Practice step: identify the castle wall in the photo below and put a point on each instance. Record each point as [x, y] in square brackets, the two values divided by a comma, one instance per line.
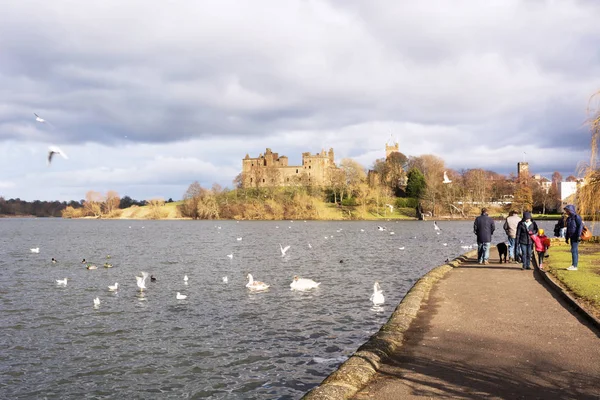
[271, 170]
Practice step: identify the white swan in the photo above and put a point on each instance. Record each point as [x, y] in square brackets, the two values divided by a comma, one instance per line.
[225, 279]
[114, 287]
[61, 282]
[283, 249]
[446, 180]
[230, 256]
[141, 281]
[239, 239]
[256, 285]
[377, 296]
[96, 302]
[185, 278]
[303, 284]
[181, 296]
[36, 250]
[310, 246]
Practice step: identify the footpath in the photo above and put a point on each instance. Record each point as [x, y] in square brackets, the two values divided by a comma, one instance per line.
[492, 331]
[483, 331]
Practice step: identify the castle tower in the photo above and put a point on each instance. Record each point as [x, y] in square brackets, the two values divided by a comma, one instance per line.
[391, 147]
[522, 172]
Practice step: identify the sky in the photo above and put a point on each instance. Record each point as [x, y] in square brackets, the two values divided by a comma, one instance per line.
[146, 97]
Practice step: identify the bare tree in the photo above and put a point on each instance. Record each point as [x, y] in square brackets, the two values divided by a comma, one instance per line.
[112, 202]
[93, 203]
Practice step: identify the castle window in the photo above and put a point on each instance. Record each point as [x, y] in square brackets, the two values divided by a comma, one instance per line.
[296, 170]
[309, 166]
[288, 179]
[263, 180]
[250, 180]
[253, 164]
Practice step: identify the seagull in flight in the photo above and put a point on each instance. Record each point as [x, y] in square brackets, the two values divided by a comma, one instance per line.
[283, 249]
[446, 180]
[39, 119]
[52, 150]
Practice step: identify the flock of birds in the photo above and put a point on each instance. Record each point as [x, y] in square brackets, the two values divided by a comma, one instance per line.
[52, 150]
[297, 284]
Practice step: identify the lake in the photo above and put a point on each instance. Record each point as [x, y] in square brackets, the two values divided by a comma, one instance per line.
[222, 342]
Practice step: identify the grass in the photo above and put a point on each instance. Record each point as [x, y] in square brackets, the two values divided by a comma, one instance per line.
[583, 283]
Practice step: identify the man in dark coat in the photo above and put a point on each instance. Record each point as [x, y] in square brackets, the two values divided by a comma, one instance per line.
[484, 229]
[574, 226]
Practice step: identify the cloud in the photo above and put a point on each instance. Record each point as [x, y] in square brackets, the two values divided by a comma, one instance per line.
[476, 83]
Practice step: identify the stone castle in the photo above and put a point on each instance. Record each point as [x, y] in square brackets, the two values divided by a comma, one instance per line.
[270, 170]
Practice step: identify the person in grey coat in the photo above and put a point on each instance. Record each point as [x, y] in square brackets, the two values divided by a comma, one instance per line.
[484, 229]
[510, 227]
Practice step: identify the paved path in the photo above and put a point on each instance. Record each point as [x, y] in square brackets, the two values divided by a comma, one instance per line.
[492, 331]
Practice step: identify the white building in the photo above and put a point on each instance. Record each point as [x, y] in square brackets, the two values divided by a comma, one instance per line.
[566, 189]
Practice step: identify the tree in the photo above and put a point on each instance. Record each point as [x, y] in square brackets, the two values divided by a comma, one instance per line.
[157, 210]
[523, 200]
[415, 185]
[353, 174]
[93, 203]
[112, 202]
[191, 200]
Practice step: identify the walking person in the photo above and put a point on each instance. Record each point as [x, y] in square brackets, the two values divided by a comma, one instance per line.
[574, 227]
[542, 243]
[525, 229]
[510, 227]
[484, 229]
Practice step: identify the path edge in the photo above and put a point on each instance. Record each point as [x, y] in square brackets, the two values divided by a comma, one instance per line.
[352, 375]
[568, 298]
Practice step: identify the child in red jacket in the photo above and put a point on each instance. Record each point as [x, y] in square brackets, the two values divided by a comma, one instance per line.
[541, 246]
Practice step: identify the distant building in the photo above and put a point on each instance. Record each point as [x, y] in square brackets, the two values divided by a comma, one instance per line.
[523, 172]
[567, 189]
[271, 170]
[544, 182]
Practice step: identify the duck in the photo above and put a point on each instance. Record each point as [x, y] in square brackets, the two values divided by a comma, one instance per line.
[83, 261]
[303, 284]
[54, 261]
[255, 285]
[107, 265]
[61, 282]
[152, 278]
[181, 296]
[91, 266]
[377, 296]
[114, 287]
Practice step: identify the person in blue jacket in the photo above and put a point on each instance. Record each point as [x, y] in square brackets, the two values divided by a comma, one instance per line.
[484, 229]
[574, 227]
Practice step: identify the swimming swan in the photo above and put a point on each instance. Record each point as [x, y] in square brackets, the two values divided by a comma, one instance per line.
[256, 285]
[377, 296]
[61, 282]
[141, 281]
[114, 287]
[36, 250]
[96, 302]
[303, 284]
[181, 296]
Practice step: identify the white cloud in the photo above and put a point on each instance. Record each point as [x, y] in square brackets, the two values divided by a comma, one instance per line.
[156, 95]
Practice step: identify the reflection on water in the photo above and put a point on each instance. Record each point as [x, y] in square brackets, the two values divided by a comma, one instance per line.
[221, 342]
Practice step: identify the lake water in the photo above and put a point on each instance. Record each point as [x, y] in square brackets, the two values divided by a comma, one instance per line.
[222, 342]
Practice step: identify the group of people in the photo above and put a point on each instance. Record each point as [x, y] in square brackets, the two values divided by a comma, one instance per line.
[524, 235]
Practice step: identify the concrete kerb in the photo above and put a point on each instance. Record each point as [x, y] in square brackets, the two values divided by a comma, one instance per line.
[355, 372]
[569, 299]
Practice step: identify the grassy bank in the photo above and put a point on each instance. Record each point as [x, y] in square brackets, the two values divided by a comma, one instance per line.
[584, 284]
